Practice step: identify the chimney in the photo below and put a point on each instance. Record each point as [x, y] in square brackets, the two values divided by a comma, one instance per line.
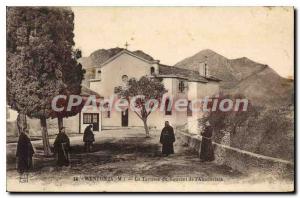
[203, 68]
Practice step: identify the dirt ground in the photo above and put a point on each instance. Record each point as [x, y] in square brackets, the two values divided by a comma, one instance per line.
[124, 154]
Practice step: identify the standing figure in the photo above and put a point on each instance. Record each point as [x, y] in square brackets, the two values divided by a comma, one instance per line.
[62, 148]
[207, 150]
[88, 138]
[167, 138]
[24, 153]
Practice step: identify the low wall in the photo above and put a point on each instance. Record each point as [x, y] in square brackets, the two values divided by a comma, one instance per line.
[34, 126]
[240, 160]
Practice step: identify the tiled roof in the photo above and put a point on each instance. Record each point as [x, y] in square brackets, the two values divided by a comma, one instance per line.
[87, 92]
[137, 54]
[190, 75]
[104, 56]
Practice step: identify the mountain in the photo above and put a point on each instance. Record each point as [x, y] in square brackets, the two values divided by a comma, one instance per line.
[258, 82]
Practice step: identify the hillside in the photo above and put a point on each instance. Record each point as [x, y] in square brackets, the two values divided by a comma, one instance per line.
[258, 82]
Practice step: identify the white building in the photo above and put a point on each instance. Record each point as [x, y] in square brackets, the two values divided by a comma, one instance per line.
[180, 83]
[73, 124]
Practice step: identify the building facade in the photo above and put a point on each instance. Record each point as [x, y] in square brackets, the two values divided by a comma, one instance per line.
[179, 83]
[73, 124]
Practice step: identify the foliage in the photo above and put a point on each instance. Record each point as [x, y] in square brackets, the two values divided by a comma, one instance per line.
[149, 88]
[261, 129]
[228, 121]
[41, 61]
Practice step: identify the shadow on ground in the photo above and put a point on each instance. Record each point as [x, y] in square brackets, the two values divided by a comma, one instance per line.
[126, 156]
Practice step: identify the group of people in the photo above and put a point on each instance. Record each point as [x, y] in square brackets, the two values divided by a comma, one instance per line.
[167, 138]
[62, 147]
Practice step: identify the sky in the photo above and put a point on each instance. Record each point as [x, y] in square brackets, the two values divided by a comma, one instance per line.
[170, 34]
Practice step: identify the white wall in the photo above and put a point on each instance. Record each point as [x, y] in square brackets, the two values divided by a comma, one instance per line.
[207, 89]
[90, 109]
[112, 72]
[11, 115]
[193, 120]
[125, 64]
[34, 126]
[200, 91]
[155, 119]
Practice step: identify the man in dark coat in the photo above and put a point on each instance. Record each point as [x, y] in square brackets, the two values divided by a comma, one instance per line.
[88, 138]
[167, 138]
[207, 150]
[62, 148]
[24, 153]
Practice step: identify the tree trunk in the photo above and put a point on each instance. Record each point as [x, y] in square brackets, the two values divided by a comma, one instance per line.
[46, 144]
[146, 128]
[21, 123]
[60, 122]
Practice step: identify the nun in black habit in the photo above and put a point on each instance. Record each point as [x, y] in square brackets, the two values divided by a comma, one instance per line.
[207, 150]
[62, 148]
[24, 153]
[167, 138]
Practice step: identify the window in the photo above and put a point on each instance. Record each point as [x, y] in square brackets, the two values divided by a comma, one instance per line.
[189, 111]
[152, 70]
[125, 78]
[90, 118]
[181, 86]
[107, 110]
[168, 110]
[98, 74]
[205, 69]
[107, 114]
[95, 118]
[87, 118]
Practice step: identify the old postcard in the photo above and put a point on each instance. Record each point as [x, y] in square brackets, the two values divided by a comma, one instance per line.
[150, 99]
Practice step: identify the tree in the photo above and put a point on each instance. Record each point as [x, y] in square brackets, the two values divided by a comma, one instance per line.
[148, 88]
[39, 47]
[72, 75]
[229, 121]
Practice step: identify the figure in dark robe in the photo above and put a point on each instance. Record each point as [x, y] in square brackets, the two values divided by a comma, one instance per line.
[207, 150]
[24, 153]
[62, 148]
[88, 138]
[167, 138]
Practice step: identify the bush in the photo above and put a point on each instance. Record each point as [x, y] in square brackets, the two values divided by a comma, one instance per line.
[260, 130]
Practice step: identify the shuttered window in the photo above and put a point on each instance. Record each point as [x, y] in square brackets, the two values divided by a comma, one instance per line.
[168, 111]
[189, 111]
[181, 86]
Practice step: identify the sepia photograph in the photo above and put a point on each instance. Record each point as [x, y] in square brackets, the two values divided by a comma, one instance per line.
[150, 99]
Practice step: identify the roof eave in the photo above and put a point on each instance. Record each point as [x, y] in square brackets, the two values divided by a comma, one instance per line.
[180, 77]
[130, 53]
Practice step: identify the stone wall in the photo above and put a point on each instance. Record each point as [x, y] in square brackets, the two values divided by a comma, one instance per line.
[240, 160]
